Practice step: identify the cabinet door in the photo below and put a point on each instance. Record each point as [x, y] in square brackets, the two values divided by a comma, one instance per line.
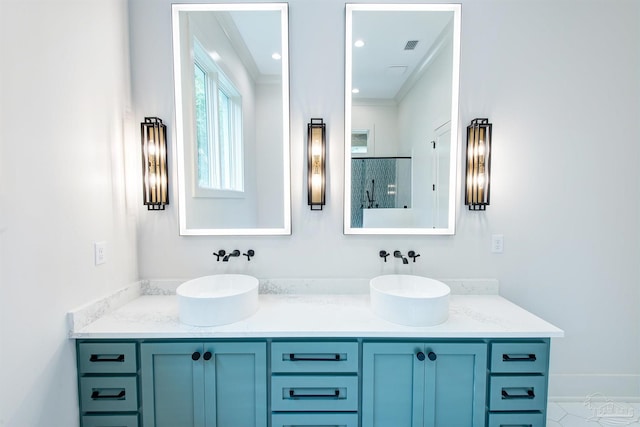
[236, 384]
[392, 385]
[172, 384]
[455, 384]
[424, 385]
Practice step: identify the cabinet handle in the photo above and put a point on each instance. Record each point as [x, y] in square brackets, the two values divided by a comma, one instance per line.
[529, 394]
[519, 358]
[195, 356]
[106, 358]
[420, 356]
[334, 395]
[207, 355]
[120, 396]
[330, 358]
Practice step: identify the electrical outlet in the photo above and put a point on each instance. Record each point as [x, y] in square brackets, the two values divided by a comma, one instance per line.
[497, 243]
[100, 252]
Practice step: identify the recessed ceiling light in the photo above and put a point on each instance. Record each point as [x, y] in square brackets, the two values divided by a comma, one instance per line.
[276, 56]
[355, 90]
[359, 43]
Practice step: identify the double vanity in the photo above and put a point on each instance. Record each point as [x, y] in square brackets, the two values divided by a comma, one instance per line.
[232, 351]
[304, 358]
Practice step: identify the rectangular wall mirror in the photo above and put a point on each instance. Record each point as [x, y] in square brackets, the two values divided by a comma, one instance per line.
[401, 118]
[231, 70]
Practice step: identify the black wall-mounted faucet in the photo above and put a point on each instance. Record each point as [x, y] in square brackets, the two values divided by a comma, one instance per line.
[384, 254]
[235, 253]
[397, 254]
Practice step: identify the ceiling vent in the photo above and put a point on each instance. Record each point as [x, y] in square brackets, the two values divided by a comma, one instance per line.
[411, 44]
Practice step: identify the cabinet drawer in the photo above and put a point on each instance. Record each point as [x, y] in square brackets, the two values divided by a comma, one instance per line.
[110, 421]
[314, 393]
[108, 394]
[107, 358]
[314, 357]
[518, 393]
[519, 357]
[516, 420]
[309, 419]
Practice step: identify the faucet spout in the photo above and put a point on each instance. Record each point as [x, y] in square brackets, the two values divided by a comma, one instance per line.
[398, 254]
[235, 253]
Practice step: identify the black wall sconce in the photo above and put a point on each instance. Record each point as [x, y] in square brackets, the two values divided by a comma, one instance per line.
[154, 163]
[478, 164]
[316, 152]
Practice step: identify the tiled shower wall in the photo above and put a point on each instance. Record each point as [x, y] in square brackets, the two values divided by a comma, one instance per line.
[383, 182]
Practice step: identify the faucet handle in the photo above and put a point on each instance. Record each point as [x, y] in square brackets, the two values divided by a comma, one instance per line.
[413, 254]
[221, 253]
[249, 254]
[384, 254]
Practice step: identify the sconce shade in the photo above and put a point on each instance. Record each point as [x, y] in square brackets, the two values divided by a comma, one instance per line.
[316, 152]
[154, 163]
[478, 164]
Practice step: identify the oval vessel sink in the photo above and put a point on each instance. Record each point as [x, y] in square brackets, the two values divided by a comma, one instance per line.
[410, 300]
[217, 300]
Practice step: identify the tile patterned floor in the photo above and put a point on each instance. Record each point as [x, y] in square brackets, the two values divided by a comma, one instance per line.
[594, 414]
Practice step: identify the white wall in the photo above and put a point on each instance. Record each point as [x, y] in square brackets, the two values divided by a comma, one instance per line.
[380, 118]
[268, 155]
[559, 81]
[64, 103]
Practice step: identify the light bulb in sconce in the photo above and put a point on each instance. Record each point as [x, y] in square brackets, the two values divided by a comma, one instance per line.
[316, 149]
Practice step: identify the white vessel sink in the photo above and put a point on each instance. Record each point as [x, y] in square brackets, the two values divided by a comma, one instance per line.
[217, 300]
[410, 300]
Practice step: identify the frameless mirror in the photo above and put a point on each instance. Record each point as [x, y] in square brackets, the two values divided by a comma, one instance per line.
[401, 118]
[231, 70]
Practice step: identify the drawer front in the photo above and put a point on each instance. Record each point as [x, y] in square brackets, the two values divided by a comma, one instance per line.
[110, 421]
[516, 420]
[108, 394]
[314, 420]
[314, 393]
[314, 357]
[519, 357]
[107, 358]
[518, 393]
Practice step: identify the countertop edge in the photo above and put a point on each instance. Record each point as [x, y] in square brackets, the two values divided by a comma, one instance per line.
[471, 317]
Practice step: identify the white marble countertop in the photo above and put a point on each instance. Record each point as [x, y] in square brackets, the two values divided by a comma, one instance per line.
[316, 315]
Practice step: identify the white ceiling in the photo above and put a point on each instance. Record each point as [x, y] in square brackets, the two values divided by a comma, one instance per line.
[381, 66]
[260, 32]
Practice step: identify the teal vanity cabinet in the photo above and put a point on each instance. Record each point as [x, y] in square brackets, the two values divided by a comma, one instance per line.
[108, 384]
[204, 384]
[424, 384]
[314, 383]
